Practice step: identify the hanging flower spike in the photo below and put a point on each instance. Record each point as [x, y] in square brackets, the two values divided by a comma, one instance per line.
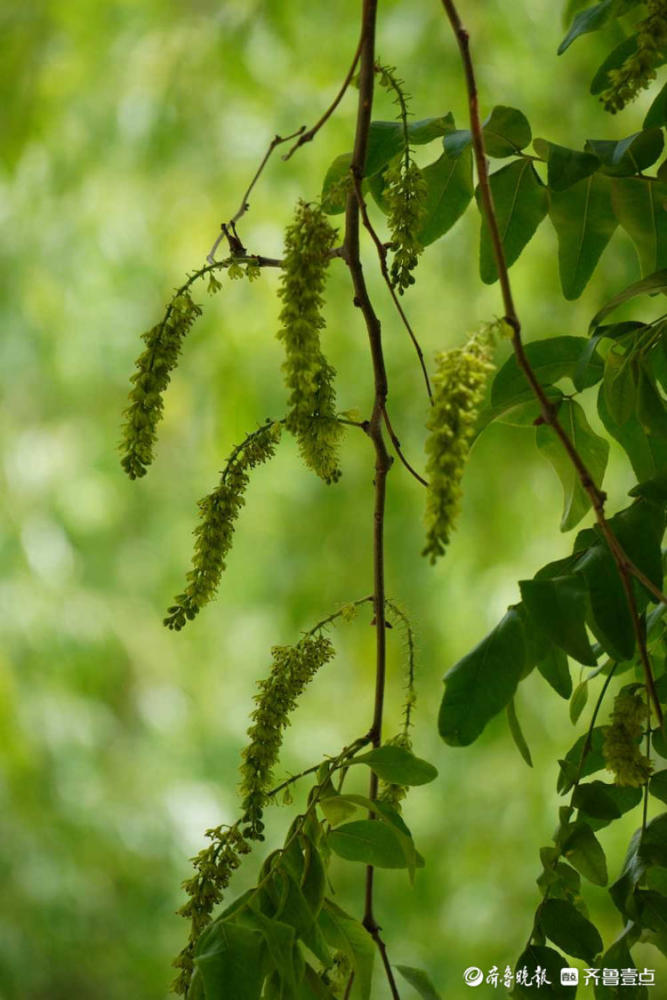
[458, 391]
[621, 739]
[308, 375]
[639, 69]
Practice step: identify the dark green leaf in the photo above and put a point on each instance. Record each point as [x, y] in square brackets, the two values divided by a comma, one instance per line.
[639, 528]
[517, 734]
[649, 285]
[419, 981]
[555, 669]
[657, 113]
[582, 849]
[639, 205]
[591, 19]
[279, 938]
[593, 450]
[335, 185]
[506, 132]
[558, 608]
[230, 962]
[619, 385]
[584, 221]
[457, 141]
[551, 360]
[578, 702]
[522, 411]
[601, 800]
[651, 411]
[565, 166]
[657, 786]
[521, 203]
[625, 157]
[313, 884]
[539, 956]
[368, 841]
[615, 59]
[610, 618]
[397, 765]
[647, 455]
[346, 934]
[568, 929]
[618, 957]
[571, 766]
[449, 189]
[482, 683]
[652, 847]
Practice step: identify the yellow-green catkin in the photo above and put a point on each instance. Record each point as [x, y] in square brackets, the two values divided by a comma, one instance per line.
[458, 390]
[639, 69]
[154, 367]
[309, 377]
[214, 867]
[292, 670]
[214, 533]
[621, 747]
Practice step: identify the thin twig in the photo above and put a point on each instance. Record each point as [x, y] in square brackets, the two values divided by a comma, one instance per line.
[245, 204]
[312, 132]
[382, 948]
[624, 564]
[382, 256]
[348, 988]
[397, 447]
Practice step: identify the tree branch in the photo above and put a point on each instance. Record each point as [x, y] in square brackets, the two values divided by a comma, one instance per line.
[624, 564]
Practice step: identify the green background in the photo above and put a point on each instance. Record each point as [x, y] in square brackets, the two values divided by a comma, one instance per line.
[129, 131]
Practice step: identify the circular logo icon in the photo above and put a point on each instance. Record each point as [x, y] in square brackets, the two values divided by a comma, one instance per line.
[473, 976]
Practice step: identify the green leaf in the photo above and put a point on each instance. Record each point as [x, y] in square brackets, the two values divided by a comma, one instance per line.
[657, 786]
[280, 939]
[230, 962]
[521, 203]
[618, 957]
[506, 132]
[647, 455]
[601, 800]
[555, 669]
[571, 765]
[482, 683]
[538, 956]
[313, 883]
[657, 113]
[619, 385]
[558, 608]
[517, 734]
[591, 19]
[551, 360]
[639, 528]
[584, 220]
[616, 58]
[449, 190]
[651, 411]
[652, 847]
[565, 166]
[419, 981]
[346, 934]
[563, 924]
[584, 852]
[593, 450]
[649, 285]
[384, 812]
[610, 619]
[578, 703]
[639, 205]
[368, 841]
[337, 809]
[335, 185]
[625, 157]
[397, 765]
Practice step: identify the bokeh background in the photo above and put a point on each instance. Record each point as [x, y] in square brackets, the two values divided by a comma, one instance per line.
[129, 131]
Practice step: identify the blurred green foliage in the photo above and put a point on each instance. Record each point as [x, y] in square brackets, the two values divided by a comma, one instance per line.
[129, 131]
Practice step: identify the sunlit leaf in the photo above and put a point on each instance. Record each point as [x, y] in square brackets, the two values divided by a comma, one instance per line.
[520, 201]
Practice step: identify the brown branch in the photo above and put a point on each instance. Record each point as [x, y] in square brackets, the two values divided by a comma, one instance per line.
[312, 132]
[382, 256]
[397, 447]
[624, 564]
[228, 229]
[382, 948]
[374, 430]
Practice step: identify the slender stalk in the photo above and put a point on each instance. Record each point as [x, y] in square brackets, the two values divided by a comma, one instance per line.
[397, 447]
[624, 564]
[375, 423]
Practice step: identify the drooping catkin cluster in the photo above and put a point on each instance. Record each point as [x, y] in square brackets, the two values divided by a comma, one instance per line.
[458, 391]
[404, 194]
[308, 375]
[214, 867]
[639, 69]
[214, 533]
[292, 670]
[154, 367]
[621, 747]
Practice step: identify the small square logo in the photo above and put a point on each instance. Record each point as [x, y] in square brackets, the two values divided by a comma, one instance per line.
[569, 977]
